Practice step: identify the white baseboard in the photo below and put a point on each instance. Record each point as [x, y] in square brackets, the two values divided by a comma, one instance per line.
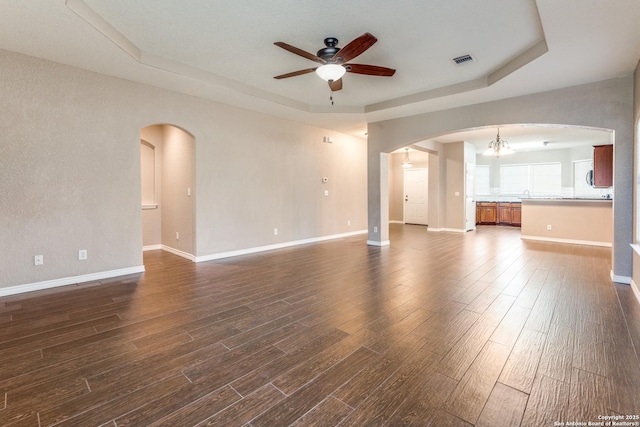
[276, 246]
[178, 252]
[620, 279]
[395, 222]
[376, 243]
[570, 241]
[454, 230]
[66, 281]
[174, 251]
[636, 291]
[450, 230]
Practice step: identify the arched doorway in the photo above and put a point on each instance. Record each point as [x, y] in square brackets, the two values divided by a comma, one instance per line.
[167, 171]
[454, 155]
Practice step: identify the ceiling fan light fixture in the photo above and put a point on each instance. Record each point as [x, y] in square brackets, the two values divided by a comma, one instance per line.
[336, 61]
[330, 72]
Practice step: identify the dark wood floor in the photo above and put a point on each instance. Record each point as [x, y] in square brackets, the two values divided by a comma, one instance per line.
[439, 329]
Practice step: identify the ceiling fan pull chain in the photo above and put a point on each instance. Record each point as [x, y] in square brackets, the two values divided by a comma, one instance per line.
[331, 96]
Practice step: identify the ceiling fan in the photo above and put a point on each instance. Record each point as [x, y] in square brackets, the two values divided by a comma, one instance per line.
[335, 60]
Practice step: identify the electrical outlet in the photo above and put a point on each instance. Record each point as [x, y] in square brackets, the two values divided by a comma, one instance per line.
[82, 254]
[375, 229]
[549, 228]
[177, 235]
[38, 260]
[275, 231]
[348, 222]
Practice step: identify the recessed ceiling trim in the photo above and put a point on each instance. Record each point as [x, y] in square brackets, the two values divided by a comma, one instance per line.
[516, 63]
[467, 86]
[85, 12]
[204, 76]
[81, 9]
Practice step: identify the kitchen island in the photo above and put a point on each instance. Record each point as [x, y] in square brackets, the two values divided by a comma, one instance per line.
[568, 220]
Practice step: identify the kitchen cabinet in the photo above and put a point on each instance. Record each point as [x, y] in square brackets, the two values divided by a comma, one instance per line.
[603, 165]
[516, 214]
[503, 213]
[510, 213]
[487, 213]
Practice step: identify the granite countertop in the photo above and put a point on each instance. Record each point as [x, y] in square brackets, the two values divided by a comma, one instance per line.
[566, 200]
[547, 199]
[497, 199]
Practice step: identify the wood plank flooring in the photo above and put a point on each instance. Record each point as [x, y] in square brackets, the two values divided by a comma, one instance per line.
[475, 329]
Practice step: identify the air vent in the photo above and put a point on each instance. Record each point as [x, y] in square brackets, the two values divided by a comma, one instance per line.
[464, 59]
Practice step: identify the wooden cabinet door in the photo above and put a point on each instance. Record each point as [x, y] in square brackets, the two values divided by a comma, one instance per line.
[488, 214]
[516, 215]
[603, 165]
[504, 213]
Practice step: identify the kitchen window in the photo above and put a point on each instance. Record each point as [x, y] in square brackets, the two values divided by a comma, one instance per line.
[539, 179]
[483, 180]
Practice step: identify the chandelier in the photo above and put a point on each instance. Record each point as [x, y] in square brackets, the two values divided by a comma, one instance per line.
[406, 163]
[498, 147]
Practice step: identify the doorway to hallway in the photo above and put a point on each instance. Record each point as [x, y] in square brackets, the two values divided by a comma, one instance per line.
[167, 172]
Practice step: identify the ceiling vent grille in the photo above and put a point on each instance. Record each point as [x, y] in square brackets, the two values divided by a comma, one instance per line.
[464, 59]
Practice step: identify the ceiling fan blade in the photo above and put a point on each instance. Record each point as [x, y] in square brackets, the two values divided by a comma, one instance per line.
[355, 48]
[335, 85]
[295, 73]
[300, 52]
[372, 70]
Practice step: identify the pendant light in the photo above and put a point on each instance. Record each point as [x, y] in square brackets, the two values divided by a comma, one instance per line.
[498, 147]
[406, 163]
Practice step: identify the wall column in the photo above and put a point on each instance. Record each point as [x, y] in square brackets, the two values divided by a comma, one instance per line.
[378, 202]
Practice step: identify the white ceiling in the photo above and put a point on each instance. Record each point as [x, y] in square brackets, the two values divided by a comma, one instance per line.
[224, 51]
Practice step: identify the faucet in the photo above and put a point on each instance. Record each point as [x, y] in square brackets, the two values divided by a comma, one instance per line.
[526, 193]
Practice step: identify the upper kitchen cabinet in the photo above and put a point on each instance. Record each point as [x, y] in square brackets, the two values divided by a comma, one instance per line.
[603, 165]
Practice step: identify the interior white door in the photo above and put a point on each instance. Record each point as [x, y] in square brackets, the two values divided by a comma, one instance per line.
[469, 191]
[416, 188]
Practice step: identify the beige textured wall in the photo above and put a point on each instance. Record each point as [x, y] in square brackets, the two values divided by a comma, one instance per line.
[570, 220]
[436, 215]
[70, 172]
[178, 189]
[454, 185]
